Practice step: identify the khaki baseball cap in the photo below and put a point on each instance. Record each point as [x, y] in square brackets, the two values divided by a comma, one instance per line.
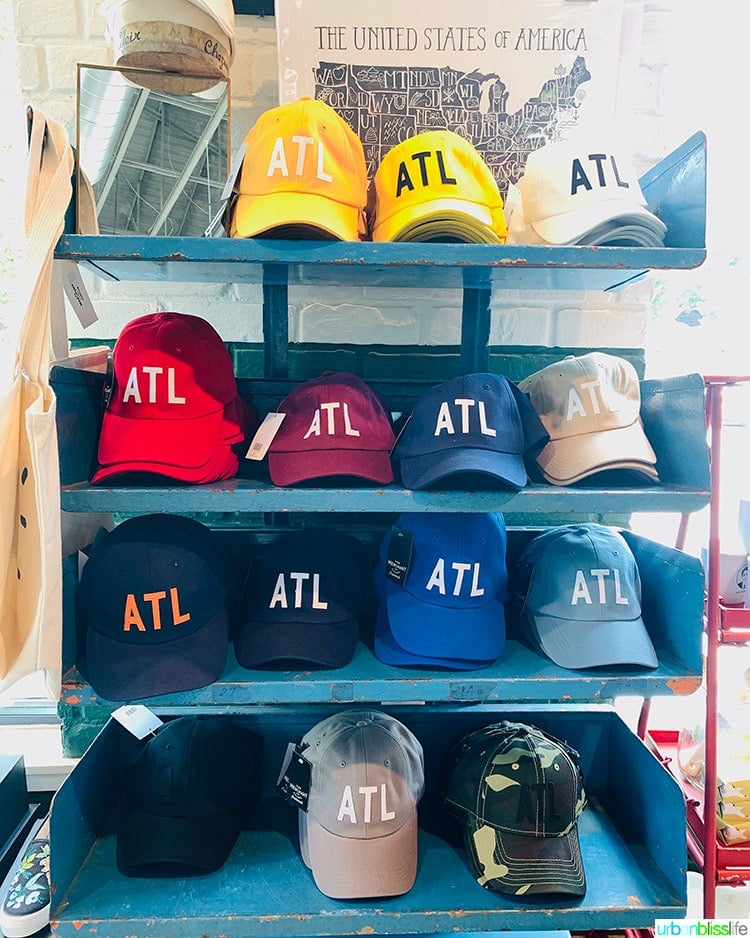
[590, 406]
[359, 834]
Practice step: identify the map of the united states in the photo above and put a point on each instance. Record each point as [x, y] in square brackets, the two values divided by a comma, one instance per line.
[387, 105]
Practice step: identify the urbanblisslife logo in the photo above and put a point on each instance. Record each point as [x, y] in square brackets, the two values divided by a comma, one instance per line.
[701, 928]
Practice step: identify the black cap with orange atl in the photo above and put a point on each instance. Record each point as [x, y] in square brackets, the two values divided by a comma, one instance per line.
[154, 604]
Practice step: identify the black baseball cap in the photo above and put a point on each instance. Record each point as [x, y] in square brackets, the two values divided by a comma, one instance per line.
[305, 596]
[154, 603]
[518, 793]
[187, 794]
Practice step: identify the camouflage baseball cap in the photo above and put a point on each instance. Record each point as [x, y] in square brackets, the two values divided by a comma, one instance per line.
[518, 793]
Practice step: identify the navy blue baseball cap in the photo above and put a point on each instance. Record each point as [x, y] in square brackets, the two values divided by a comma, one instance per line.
[187, 792]
[154, 602]
[305, 595]
[449, 611]
[579, 590]
[479, 424]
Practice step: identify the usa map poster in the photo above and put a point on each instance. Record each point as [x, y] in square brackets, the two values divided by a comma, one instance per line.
[508, 75]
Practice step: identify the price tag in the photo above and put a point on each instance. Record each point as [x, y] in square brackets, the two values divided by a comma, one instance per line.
[264, 436]
[294, 778]
[138, 720]
[398, 561]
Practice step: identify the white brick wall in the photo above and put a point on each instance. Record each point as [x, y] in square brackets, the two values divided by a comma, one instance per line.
[54, 35]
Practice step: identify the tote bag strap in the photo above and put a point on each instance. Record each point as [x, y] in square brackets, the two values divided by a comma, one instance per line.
[48, 193]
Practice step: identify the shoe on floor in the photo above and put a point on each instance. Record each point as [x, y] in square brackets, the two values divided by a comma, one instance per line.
[25, 907]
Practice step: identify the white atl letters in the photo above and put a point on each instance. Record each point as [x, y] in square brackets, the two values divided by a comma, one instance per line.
[437, 578]
[347, 808]
[280, 597]
[445, 421]
[582, 593]
[576, 406]
[150, 376]
[331, 409]
[279, 162]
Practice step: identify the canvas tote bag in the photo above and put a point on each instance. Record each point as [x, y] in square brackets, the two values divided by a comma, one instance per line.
[30, 527]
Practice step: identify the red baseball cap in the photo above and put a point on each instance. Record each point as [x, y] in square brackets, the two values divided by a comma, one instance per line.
[173, 408]
[335, 425]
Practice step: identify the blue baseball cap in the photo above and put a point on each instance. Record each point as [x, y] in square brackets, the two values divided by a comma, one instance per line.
[479, 423]
[579, 589]
[449, 611]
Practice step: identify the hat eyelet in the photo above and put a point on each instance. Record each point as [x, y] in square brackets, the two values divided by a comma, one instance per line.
[386, 761]
[516, 766]
[342, 764]
[556, 767]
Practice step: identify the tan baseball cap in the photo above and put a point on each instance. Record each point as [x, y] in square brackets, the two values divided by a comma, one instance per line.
[359, 834]
[590, 406]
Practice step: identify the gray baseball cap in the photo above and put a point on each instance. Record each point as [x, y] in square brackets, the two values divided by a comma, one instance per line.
[359, 834]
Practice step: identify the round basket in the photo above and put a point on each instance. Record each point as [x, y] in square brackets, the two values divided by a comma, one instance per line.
[185, 50]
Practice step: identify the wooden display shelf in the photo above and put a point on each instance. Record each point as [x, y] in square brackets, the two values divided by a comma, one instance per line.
[632, 843]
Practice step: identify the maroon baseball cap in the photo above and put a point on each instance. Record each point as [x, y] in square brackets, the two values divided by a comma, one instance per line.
[173, 408]
[335, 425]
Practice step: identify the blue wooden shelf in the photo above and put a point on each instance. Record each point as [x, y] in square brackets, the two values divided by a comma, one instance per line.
[632, 843]
[674, 189]
[237, 495]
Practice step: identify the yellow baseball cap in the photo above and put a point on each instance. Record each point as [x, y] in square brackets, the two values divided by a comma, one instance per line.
[303, 175]
[435, 186]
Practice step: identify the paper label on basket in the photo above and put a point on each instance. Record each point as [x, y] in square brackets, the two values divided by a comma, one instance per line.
[398, 561]
[294, 778]
[137, 719]
[264, 435]
[76, 293]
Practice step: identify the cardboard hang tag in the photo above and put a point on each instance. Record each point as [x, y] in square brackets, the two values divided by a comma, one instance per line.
[398, 561]
[295, 777]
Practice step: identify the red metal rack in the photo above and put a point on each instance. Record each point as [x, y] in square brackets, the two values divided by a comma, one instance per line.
[724, 625]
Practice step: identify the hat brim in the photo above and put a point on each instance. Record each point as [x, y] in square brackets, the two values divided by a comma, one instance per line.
[323, 644]
[573, 225]
[524, 866]
[573, 458]
[256, 215]
[287, 468]
[467, 221]
[118, 671]
[448, 632]
[585, 644]
[190, 450]
[389, 651]
[148, 844]
[419, 472]
[359, 868]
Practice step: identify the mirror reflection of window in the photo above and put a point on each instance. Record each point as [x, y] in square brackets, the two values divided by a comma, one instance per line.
[153, 163]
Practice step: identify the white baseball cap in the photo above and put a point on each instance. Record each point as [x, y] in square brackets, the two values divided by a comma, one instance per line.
[574, 190]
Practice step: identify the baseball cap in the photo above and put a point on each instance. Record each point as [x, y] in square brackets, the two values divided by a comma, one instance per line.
[590, 405]
[359, 834]
[303, 175]
[305, 595]
[436, 186]
[335, 425]
[172, 405]
[478, 424]
[187, 791]
[582, 191]
[579, 589]
[518, 793]
[154, 602]
[449, 611]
